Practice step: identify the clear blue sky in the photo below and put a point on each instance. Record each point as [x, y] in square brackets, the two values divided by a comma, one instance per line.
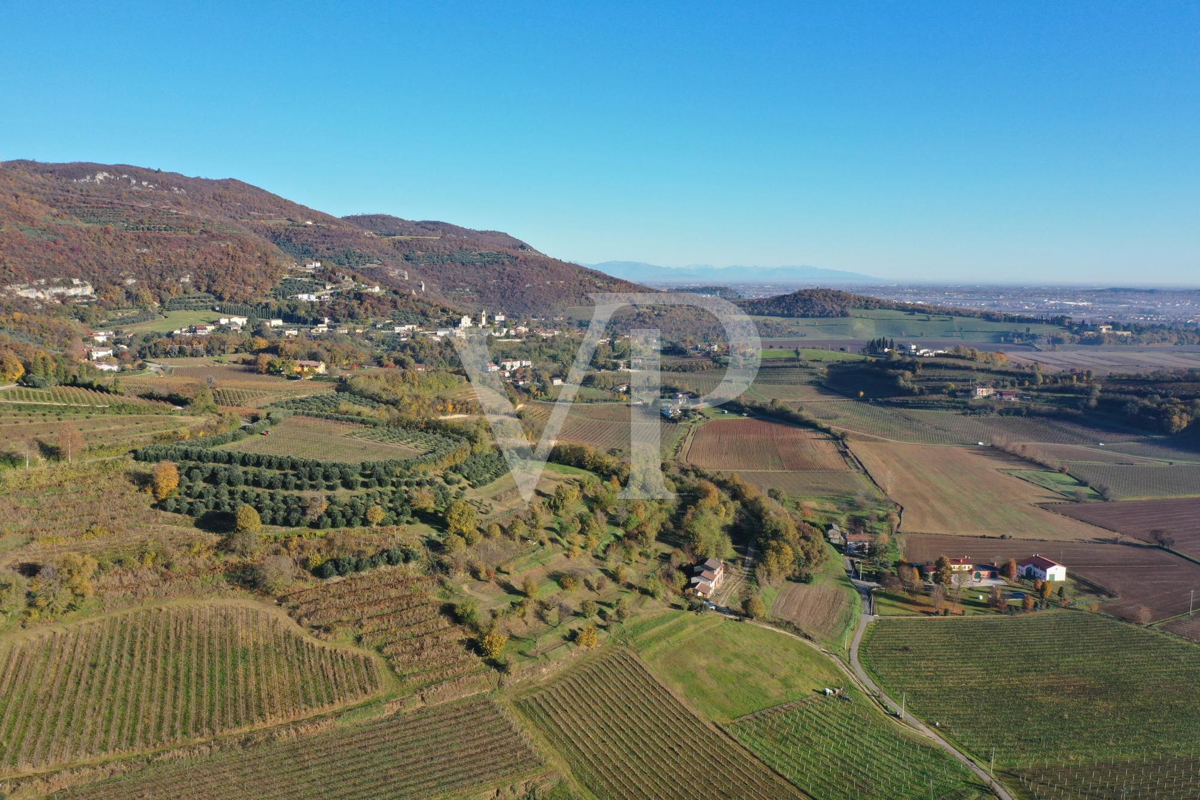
[911, 140]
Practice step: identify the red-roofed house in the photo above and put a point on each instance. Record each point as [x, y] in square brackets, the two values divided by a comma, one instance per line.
[1042, 569]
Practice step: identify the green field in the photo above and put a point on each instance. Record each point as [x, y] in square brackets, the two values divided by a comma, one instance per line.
[732, 669]
[870, 324]
[1065, 699]
[1060, 482]
[174, 320]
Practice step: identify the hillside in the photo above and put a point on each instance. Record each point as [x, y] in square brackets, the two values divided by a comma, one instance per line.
[835, 303]
[120, 226]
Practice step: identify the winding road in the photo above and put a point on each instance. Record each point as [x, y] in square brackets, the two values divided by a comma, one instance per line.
[865, 590]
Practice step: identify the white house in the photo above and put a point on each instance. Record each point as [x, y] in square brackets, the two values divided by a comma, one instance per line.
[465, 322]
[100, 337]
[274, 323]
[1042, 569]
[233, 320]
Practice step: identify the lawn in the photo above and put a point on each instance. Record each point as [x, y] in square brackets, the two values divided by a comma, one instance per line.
[174, 320]
[1059, 482]
[734, 668]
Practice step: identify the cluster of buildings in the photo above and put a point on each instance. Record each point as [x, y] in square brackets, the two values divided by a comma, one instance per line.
[970, 572]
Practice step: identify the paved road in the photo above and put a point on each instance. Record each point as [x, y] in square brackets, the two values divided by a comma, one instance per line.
[865, 680]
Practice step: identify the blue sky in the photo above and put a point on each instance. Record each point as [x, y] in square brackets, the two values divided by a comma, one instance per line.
[917, 140]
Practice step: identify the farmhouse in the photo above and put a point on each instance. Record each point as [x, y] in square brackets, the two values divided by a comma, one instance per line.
[966, 570]
[980, 392]
[858, 543]
[305, 367]
[1040, 568]
[99, 352]
[707, 577]
[834, 534]
[1010, 396]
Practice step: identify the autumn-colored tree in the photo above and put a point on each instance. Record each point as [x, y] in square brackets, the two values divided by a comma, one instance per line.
[461, 517]
[1046, 590]
[275, 574]
[423, 500]
[938, 597]
[754, 607]
[517, 529]
[565, 496]
[455, 544]
[247, 520]
[70, 442]
[494, 531]
[1009, 570]
[314, 506]
[1028, 604]
[569, 583]
[11, 368]
[530, 587]
[493, 644]
[588, 636]
[165, 479]
[375, 515]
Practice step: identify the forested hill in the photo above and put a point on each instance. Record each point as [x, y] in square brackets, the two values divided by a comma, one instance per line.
[125, 226]
[835, 303]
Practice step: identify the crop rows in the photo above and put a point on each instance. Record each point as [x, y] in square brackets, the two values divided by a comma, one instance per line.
[1046, 691]
[1175, 779]
[239, 397]
[624, 735]
[1129, 482]
[762, 445]
[436, 751]
[392, 611]
[71, 396]
[841, 747]
[323, 440]
[163, 676]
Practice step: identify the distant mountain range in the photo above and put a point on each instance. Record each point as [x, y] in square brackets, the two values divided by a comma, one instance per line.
[124, 229]
[724, 276]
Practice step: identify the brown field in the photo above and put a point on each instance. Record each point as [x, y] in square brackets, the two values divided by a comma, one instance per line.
[960, 490]
[1180, 519]
[102, 433]
[735, 444]
[1072, 453]
[327, 440]
[809, 484]
[1139, 575]
[1110, 360]
[1187, 627]
[821, 610]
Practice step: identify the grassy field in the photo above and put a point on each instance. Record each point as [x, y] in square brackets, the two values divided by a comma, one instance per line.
[869, 324]
[810, 484]
[1060, 483]
[1053, 694]
[731, 669]
[468, 746]
[324, 440]
[162, 676]
[623, 734]
[759, 444]
[958, 490]
[1142, 482]
[174, 320]
[844, 747]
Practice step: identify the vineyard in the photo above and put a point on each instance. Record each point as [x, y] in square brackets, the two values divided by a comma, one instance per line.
[842, 747]
[1135, 482]
[101, 433]
[327, 440]
[436, 751]
[76, 396]
[87, 508]
[624, 735]
[604, 426]
[1072, 703]
[158, 677]
[1146, 579]
[394, 612]
[735, 444]
[963, 490]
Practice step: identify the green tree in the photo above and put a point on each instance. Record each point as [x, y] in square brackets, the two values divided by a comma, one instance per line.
[943, 573]
[247, 520]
